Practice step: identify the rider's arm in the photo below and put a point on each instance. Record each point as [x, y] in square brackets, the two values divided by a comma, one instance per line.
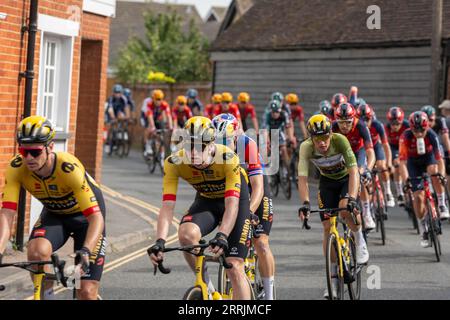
[353, 182]
[385, 143]
[351, 164]
[151, 121]
[6, 225]
[403, 157]
[444, 134]
[303, 170]
[301, 122]
[170, 186]
[370, 153]
[257, 183]
[232, 194]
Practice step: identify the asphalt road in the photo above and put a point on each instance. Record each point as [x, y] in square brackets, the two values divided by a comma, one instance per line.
[399, 270]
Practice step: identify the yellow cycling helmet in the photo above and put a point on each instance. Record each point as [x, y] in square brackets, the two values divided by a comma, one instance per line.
[319, 125]
[227, 97]
[181, 100]
[199, 129]
[157, 94]
[217, 98]
[292, 98]
[35, 129]
[244, 97]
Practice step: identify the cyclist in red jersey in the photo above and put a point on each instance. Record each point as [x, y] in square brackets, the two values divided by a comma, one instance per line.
[181, 112]
[216, 100]
[246, 109]
[358, 135]
[336, 101]
[420, 153]
[381, 147]
[229, 107]
[297, 113]
[394, 129]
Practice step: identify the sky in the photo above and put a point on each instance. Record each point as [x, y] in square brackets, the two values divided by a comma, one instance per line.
[203, 6]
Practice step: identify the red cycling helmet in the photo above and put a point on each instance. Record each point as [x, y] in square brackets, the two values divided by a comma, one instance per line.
[418, 121]
[338, 99]
[395, 114]
[365, 112]
[345, 111]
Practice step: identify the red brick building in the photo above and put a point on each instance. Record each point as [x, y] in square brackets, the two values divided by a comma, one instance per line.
[71, 59]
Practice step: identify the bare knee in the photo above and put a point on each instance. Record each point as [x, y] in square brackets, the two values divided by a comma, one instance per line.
[88, 291]
[39, 249]
[262, 246]
[237, 272]
[189, 234]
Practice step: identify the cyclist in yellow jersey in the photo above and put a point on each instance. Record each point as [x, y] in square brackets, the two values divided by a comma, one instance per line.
[222, 200]
[73, 204]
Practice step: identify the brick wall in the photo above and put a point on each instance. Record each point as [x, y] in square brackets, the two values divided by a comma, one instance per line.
[13, 48]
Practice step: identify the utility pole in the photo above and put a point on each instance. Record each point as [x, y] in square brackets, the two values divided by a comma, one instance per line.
[436, 52]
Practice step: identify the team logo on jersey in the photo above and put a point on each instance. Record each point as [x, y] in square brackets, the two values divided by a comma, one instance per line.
[37, 186]
[39, 233]
[53, 187]
[67, 167]
[16, 162]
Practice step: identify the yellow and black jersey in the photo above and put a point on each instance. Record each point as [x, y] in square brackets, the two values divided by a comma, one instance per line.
[67, 190]
[221, 179]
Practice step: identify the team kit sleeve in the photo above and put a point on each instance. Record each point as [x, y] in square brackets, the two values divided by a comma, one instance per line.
[11, 190]
[381, 132]
[403, 147]
[253, 160]
[304, 158]
[170, 180]
[232, 177]
[434, 140]
[365, 134]
[252, 111]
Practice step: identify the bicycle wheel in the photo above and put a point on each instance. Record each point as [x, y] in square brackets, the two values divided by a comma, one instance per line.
[120, 151]
[332, 250]
[111, 142]
[380, 212]
[432, 232]
[273, 181]
[126, 142]
[224, 283]
[354, 288]
[193, 293]
[285, 182]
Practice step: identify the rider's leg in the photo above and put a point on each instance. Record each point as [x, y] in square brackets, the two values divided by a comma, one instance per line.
[189, 234]
[40, 249]
[239, 281]
[266, 264]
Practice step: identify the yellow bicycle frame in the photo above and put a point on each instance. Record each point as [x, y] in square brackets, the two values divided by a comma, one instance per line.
[340, 241]
[38, 282]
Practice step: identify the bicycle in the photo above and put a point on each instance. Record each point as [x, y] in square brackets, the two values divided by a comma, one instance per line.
[118, 138]
[200, 289]
[293, 164]
[156, 157]
[39, 275]
[343, 249]
[251, 271]
[432, 222]
[378, 203]
[281, 178]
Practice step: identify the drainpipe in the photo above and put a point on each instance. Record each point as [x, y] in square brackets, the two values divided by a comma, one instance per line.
[29, 77]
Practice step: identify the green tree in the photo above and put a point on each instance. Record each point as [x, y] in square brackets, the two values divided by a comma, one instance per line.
[165, 48]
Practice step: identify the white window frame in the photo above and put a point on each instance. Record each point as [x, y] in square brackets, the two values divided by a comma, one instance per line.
[46, 68]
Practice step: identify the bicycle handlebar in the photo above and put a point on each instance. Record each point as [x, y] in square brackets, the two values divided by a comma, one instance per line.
[188, 249]
[330, 213]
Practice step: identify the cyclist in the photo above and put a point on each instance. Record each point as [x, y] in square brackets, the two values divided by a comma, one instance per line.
[118, 107]
[439, 125]
[339, 182]
[445, 112]
[420, 153]
[297, 113]
[381, 147]
[277, 119]
[353, 96]
[128, 94]
[246, 109]
[159, 117]
[193, 102]
[181, 112]
[358, 135]
[394, 129]
[228, 133]
[72, 200]
[278, 96]
[211, 109]
[336, 101]
[222, 200]
[228, 107]
[326, 109]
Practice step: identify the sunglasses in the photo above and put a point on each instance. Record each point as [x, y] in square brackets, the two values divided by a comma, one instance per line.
[34, 152]
[321, 138]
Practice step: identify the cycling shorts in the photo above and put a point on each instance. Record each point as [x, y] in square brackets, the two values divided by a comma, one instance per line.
[331, 192]
[207, 214]
[265, 211]
[379, 152]
[394, 151]
[417, 167]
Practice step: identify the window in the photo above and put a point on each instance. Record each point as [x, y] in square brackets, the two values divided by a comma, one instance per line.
[49, 96]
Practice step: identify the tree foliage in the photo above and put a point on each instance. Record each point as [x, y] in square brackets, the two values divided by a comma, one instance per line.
[166, 49]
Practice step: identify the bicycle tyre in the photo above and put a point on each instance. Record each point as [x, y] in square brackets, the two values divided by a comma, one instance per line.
[354, 288]
[193, 293]
[273, 182]
[127, 142]
[285, 182]
[120, 151]
[111, 142]
[380, 217]
[432, 233]
[332, 246]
